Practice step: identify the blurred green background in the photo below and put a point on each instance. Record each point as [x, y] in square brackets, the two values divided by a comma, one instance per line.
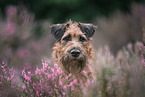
[62, 10]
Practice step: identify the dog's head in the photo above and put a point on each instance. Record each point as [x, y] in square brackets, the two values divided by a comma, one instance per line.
[73, 44]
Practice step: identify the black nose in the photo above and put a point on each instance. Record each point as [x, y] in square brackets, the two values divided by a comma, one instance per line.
[75, 52]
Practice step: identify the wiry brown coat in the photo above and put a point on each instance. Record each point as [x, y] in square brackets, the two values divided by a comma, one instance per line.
[71, 36]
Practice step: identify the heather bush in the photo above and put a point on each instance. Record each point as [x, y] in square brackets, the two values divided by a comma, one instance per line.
[120, 76]
[6, 76]
[45, 82]
[119, 29]
[23, 41]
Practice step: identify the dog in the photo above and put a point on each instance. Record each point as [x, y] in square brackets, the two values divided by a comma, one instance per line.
[73, 51]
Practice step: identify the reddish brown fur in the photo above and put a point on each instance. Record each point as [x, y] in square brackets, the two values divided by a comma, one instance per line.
[61, 49]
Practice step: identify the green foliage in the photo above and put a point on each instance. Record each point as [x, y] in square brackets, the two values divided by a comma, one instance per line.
[78, 10]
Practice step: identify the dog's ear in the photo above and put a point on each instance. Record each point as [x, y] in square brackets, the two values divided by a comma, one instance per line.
[58, 30]
[88, 29]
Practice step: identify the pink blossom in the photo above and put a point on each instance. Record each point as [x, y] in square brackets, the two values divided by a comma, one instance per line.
[55, 74]
[27, 77]
[86, 85]
[37, 71]
[8, 78]
[58, 71]
[70, 75]
[129, 46]
[2, 67]
[4, 71]
[37, 93]
[109, 88]
[29, 72]
[64, 87]
[34, 88]
[90, 67]
[27, 83]
[69, 80]
[72, 88]
[63, 94]
[84, 72]
[49, 76]
[75, 81]
[71, 84]
[34, 84]
[1, 83]
[66, 77]
[31, 90]
[11, 11]
[26, 91]
[9, 29]
[81, 82]
[92, 81]
[55, 65]
[60, 83]
[23, 87]
[132, 52]
[50, 92]
[52, 70]
[3, 62]
[13, 87]
[23, 71]
[44, 65]
[1, 77]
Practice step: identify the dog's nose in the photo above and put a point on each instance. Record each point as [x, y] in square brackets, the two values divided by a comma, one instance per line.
[75, 52]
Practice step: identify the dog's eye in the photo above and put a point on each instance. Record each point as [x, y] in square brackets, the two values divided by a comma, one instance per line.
[82, 39]
[67, 38]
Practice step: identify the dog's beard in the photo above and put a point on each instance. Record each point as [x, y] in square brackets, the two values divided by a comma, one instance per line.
[72, 65]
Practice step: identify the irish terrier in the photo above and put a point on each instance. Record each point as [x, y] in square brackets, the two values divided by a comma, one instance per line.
[73, 51]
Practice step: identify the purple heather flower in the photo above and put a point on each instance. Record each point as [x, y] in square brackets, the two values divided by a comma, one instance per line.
[8, 79]
[37, 71]
[64, 87]
[84, 72]
[29, 72]
[52, 69]
[37, 93]
[55, 65]
[63, 94]
[86, 85]
[2, 67]
[72, 88]
[75, 80]
[66, 77]
[23, 87]
[60, 83]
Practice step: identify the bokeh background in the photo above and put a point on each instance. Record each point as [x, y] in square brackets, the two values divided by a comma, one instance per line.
[25, 37]
[59, 11]
[26, 40]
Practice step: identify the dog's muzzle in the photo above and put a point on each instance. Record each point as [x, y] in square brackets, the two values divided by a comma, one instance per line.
[74, 61]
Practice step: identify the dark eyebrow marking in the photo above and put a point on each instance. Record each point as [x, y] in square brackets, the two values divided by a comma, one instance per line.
[82, 39]
[67, 38]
